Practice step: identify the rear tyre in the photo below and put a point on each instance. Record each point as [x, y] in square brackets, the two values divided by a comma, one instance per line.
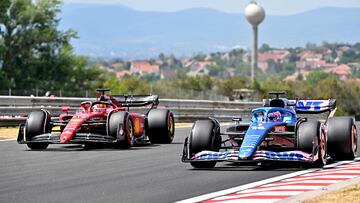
[161, 126]
[120, 126]
[37, 123]
[342, 138]
[205, 135]
[312, 140]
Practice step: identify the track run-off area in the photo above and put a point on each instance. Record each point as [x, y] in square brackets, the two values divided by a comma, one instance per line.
[150, 173]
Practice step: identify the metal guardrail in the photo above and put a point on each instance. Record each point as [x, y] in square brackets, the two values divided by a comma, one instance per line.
[13, 108]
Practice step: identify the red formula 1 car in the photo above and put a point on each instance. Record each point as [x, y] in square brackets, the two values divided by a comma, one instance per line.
[106, 120]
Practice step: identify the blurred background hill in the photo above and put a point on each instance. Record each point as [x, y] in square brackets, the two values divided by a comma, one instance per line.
[119, 31]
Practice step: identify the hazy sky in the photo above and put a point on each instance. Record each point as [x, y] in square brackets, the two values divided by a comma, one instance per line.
[273, 7]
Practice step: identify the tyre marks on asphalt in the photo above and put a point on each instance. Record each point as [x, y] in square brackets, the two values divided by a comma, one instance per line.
[283, 189]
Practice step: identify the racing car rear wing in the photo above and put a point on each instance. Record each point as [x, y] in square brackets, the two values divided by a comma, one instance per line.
[313, 106]
[137, 100]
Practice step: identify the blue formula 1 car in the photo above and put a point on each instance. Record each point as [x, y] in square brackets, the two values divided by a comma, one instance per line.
[276, 132]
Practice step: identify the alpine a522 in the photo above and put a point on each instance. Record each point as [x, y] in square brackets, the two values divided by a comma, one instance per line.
[277, 132]
[103, 121]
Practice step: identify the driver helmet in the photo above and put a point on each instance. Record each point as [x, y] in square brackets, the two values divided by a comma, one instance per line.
[99, 108]
[260, 116]
[275, 116]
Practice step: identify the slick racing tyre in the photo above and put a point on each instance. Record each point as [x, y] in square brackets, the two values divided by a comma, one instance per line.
[342, 138]
[312, 140]
[120, 126]
[205, 135]
[161, 126]
[37, 123]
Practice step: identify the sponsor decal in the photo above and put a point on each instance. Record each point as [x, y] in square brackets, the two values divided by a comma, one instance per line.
[284, 155]
[210, 155]
[83, 116]
[253, 136]
[308, 105]
[97, 118]
[258, 128]
[280, 128]
[76, 120]
[66, 132]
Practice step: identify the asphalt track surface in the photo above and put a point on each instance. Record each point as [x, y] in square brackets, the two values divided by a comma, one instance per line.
[153, 173]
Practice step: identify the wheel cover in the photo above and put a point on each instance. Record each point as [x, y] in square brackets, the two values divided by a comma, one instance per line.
[354, 139]
[171, 126]
[322, 145]
[131, 133]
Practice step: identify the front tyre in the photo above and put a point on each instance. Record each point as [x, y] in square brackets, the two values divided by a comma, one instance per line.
[160, 126]
[37, 123]
[120, 126]
[205, 135]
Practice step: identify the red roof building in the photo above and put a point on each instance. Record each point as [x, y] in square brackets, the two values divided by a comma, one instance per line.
[123, 73]
[199, 68]
[275, 55]
[310, 64]
[167, 74]
[342, 70]
[278, 56]
[143, 67]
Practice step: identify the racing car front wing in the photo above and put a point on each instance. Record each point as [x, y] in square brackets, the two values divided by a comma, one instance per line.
[259, 156]
[54, 138]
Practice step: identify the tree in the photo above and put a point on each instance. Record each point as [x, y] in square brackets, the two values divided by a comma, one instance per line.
[264, 48]
[33, 53]
[200, 57]
[331, 46]
[310, 46]
[316, 76]
[127, 85]
[274, 66]
[350, 57]
[162, 56]
[289, 68]
[237, 53]
[227, 86]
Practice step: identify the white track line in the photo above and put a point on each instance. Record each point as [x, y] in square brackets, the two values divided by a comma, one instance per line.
[6, 140]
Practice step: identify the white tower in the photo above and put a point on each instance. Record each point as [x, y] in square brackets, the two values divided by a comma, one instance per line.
[255, 14]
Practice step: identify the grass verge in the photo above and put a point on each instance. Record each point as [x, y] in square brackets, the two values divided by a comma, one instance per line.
[8, 132]
[346, 195]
